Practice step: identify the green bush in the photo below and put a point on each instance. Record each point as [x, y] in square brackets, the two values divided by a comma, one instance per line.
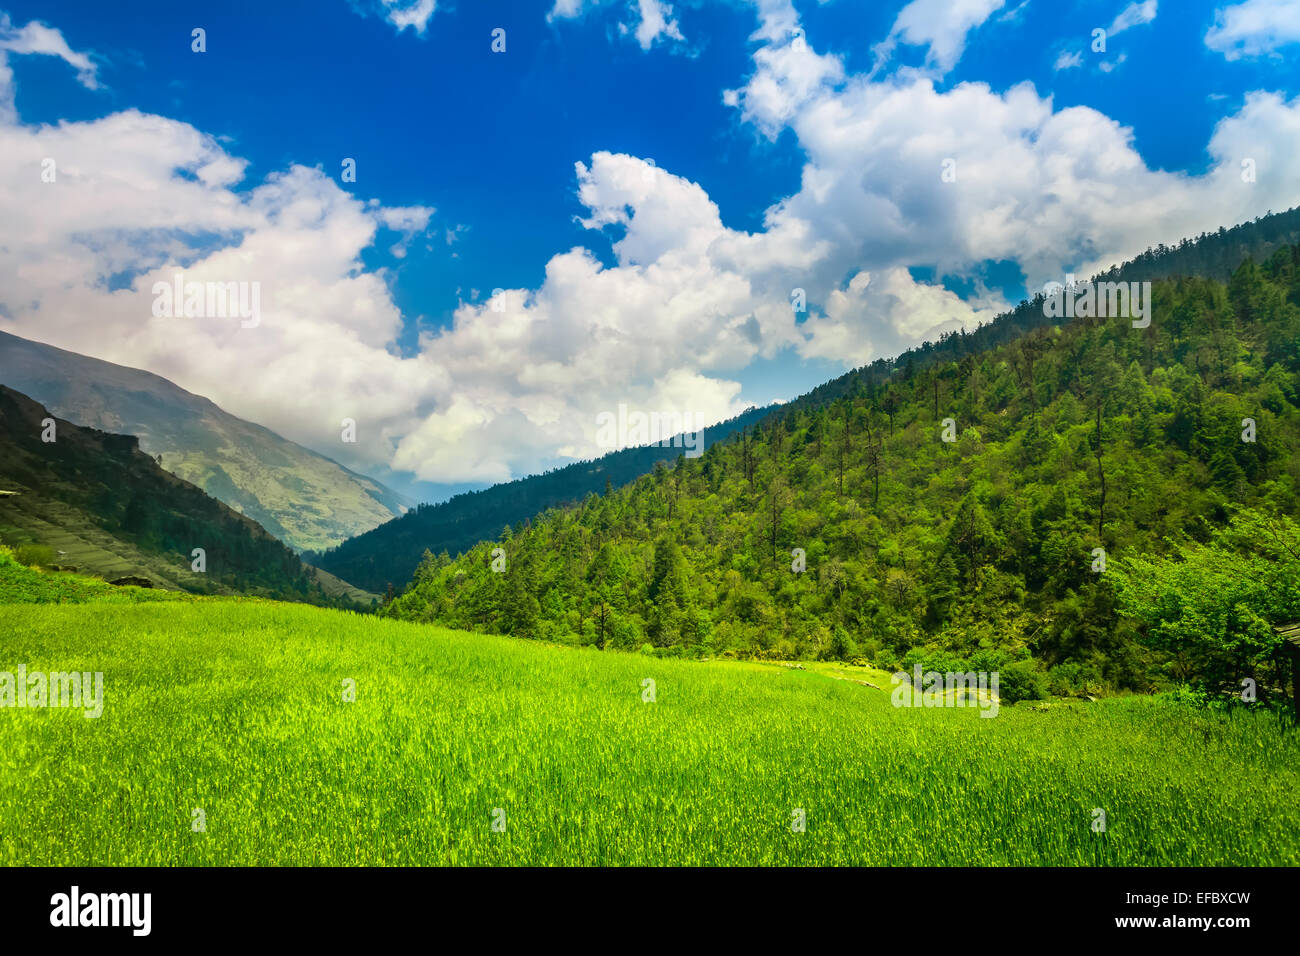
[934, 659]
[35, 555]
[886, 660]
[1064, 680]
[1187, 695]
[1022, 680]
[988, 661]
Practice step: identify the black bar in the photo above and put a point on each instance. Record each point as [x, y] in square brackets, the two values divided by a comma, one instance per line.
[925, 904]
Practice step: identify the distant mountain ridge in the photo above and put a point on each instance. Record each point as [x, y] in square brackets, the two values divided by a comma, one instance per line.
[308, 501]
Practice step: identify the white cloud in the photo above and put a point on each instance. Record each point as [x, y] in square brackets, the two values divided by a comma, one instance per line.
[1015, 14]
[1068, 60]
[656, 21]
[1049, 189]
[1254, 28]
[686, 304]
[940, 25]
[415, 14]
[1134, 15]
[886, 314]
[494, 395]
[571, 9]
[37, 38]
[650, 21]
[410, 13]
[789, 76]
[777, 20]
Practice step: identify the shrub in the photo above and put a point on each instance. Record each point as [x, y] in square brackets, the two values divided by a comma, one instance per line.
[35, 555]
[1064, 680]
[840, 647]
[988, 660]
[1187, 695]
[1023, 680]
[886, 660]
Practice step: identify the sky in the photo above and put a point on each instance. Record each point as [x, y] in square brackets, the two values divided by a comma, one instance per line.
[561, 206]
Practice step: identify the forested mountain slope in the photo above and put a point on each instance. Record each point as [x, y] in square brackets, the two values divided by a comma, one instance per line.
[1209, 256]
[1070, 438]
[388, 555]
[112, 510]
[303, 498]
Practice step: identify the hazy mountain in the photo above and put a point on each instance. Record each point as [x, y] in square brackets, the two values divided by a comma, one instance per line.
[104, 507]
[306, 500]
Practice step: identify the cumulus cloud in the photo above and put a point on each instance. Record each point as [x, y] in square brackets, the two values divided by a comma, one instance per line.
[1048, 189]
[1254, 28]
[886, 314]
[899, 175]
[655, 21]
[789, 75]
[139, 198]
[941, 26]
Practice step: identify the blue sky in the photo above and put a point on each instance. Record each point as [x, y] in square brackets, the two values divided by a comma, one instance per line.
[478, 150]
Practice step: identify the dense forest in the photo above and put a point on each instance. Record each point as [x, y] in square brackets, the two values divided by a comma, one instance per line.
[386, 556]
[1212, 255]
[93, 478]
[987, 509]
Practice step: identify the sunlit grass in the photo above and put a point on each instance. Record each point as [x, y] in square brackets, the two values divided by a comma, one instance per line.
[236, 707]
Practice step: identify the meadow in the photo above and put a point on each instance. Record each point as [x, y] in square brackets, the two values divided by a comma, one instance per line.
[236, 708]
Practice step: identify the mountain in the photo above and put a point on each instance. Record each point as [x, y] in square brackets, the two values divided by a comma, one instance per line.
[101, 505]
[388, 555]
[950, 514]
[305, 499]
[1211, 255]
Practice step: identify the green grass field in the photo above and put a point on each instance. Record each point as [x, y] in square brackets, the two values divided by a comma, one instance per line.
[236, 707]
